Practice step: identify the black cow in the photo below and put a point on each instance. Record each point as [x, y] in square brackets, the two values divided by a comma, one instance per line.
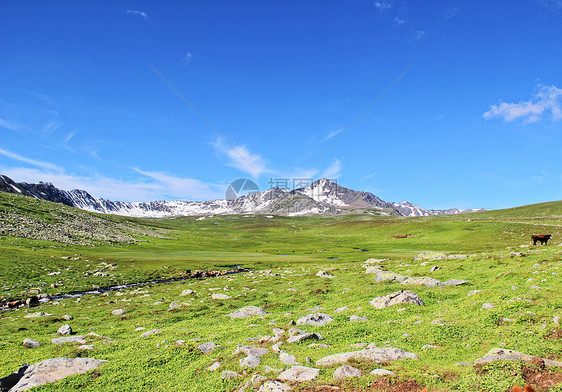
[542, 238]
[6, 383]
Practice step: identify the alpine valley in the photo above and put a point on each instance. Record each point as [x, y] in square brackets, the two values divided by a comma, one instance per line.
[320, 197]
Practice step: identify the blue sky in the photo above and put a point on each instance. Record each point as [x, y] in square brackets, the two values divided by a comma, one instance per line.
[145, 100]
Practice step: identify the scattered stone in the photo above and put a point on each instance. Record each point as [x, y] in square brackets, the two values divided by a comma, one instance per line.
[319, 345]
[375, 354]
[463, 364]
[247, 311]
[206, 348]
[381, 276]
[118, 312]
[430, 255]
[455, 282]
[151, 332]
[346, 371]
[64, 330]
[382, 372]
[357, 318]
[488, 305]
[339, 310]
[220, 296]
[397, 297]
[86, 347]
[299, 374]
[315, 319]
[215, 366]
[54, 369]
[269, 369]
[324, 274]
[429, 346]
[274, 386]
[304, 336]
[30, 343]
[229, 374]
[250, 361]
[67, 317]
[423, 280]
[556, 320]
[69, 339]
[288, 359]
[249, 350]
[37, 314]
[374, 261]
[497, 354]
[186, 292]
[175, 305]
[473, 292]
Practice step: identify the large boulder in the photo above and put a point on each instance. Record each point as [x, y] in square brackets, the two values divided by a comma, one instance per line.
[54, 369]
[346, 371]
[299, 374]
[397, 297]
[374, 354]
[423, 280]
[381, 276]
[247, 311]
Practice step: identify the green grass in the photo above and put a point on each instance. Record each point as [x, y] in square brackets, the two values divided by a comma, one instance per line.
[295, 248]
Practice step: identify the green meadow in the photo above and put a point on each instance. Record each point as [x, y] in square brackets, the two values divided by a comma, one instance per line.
[448, 333]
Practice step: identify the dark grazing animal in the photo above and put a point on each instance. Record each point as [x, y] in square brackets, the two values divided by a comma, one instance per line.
[542, 238]
[6, 383]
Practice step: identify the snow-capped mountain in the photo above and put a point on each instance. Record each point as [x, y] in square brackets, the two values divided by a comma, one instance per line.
[321, 197]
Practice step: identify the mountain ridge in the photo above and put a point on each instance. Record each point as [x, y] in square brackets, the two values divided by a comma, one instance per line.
[320, 197]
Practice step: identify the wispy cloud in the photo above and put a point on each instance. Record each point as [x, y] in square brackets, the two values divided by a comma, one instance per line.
[12, 126]
[419, 34]
[139, 13]
[187, 58]
[450, 12]
[241, 158]
[20, 158]
[333, 171]
[383, 5]
[399, 21]
[51, 127]
[331, 134]
[548, 99]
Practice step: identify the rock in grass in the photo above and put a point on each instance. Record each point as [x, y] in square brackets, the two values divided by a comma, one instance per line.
[315, 319]
[304, 336]
[374, 354]
[54, 369]
[30, 343]
[151, 332]
[250, 361]
[186, 292]
[220, 296]
[118, 312]
[423, 280]
[69, 339]
[249, 350]
[324, 274]
[299, 374]
[229, 374]
[455, 282]
[67, 317]
[355, 318]
[382, 372]
[346, 371]
[288, 359]
[247, 311]
[397, 297]
[488, 305]
[274, 386]
[381, 276]
[215, 366]
[65, 330]
[497, 354]
[206, 348]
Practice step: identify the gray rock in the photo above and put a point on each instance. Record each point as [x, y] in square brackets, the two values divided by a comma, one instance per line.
[299, 374]
[381, 276]
[64, 330]
[67, 317]
[346, 371]
[86, 347]
[288, 359]
[382, 372]
[250, 361]
[473, 292]
[215, 366]
[324, 274]
[397, 297]
[497, 354]
[175, 305]
[206, 348]
[423, 280]
[54, 369]
[229, 374]
[69, 339]
[488, 305]
[30, 343]
[186, 292]
[355, 318]
[247, 311]
[151, 332]
[315, 319]
[430, 255]
[274, 386]
[374, 354]
[339, 310]
[455, 282]
[305, 336]
[249, 350]
[220, 296]
[118, 312]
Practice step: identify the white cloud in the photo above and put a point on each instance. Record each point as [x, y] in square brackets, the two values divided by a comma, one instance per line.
[383, 5]
[187, 58]
[139, 13]
[450, 12]
[333, 171]
[241, 158]
[331, 134]
[12, 126]
[20, 158]
[419, 34]
[398, 21]
[548, 99]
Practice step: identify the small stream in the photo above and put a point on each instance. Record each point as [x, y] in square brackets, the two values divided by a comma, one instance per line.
[101, 290]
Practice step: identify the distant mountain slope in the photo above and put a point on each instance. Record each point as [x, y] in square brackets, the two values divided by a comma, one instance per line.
[320, 197]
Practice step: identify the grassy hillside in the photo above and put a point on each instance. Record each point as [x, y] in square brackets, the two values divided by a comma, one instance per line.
[286, 253]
